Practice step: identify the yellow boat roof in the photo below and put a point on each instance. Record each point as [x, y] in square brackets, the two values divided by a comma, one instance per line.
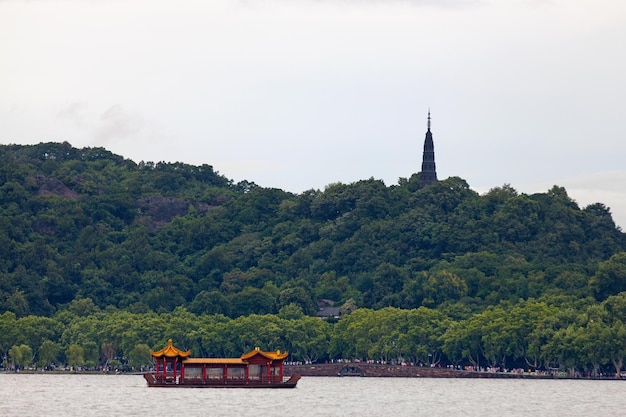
[215, 361]
[170, 351]
[277, 355]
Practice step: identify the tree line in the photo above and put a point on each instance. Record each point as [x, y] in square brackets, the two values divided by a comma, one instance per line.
[555, 333]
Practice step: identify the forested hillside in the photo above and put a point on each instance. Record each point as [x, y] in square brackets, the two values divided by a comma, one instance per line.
[85, 227]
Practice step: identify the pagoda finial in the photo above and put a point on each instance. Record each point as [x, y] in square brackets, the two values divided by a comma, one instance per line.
[429, 118]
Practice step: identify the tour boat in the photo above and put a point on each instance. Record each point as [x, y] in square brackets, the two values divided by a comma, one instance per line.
[255, 369]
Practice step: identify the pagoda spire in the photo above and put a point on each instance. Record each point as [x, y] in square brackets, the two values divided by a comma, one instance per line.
[428, 175]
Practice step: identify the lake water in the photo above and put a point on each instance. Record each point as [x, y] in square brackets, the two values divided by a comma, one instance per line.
[128, 395]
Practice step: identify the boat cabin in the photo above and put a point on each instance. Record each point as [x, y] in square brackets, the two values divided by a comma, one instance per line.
[176, 367]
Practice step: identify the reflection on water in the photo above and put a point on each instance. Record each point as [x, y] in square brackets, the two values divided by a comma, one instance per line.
[126, 395]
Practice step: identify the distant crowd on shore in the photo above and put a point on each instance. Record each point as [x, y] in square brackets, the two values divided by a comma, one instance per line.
[465, 368]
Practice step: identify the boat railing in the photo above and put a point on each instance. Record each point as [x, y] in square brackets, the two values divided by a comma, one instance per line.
[161, 379]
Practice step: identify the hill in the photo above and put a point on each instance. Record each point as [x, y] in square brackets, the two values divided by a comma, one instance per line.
[85, 223]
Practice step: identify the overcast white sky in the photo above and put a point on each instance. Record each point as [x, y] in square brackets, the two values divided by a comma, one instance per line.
[298, 94]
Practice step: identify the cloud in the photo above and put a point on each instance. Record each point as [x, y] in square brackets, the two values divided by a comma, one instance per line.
[75, 112]
[116, 123]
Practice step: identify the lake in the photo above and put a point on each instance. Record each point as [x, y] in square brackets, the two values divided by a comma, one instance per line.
[127, 395]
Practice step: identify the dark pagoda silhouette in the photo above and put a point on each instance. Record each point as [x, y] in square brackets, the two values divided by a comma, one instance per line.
[428, 175]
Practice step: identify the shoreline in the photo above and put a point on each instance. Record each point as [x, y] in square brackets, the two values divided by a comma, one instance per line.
[352, 370]
[367, 370]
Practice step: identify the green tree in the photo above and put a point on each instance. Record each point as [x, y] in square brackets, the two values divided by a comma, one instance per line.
[251, 301]
[349, 338]
[617, 347]
[610, 279]
[91, 353]
[210, 302]
[83, 307]
[74, 354]
[139, 357]
[8, 329]
[388, 279]
[291, 312]
[33, 330]
[531, 325]
[498, 339]
[21, 356]
[463, 340]
[18, 303]
[442, 286]
[566, 348]
[384, 338]
[424, 336]
[298, 296]
[597, 345]
[48, 353]
[348, 307]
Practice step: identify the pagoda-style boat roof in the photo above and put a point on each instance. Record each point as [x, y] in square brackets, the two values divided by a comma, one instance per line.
[242, 360]
[170, 351]
[275, 356]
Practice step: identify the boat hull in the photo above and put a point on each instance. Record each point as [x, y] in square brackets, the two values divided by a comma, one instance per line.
[290, 383]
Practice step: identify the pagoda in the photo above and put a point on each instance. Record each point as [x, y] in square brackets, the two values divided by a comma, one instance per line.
[428, 175]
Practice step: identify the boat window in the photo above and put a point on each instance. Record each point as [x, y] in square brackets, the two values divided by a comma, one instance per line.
[254, 371]
[236, 373]
[214, 373]
[193, 372]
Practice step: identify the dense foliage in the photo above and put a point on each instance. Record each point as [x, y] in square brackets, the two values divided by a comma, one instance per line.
[555, 333]
[146, 242]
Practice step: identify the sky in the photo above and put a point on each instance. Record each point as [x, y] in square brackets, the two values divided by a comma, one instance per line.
[300, 94]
